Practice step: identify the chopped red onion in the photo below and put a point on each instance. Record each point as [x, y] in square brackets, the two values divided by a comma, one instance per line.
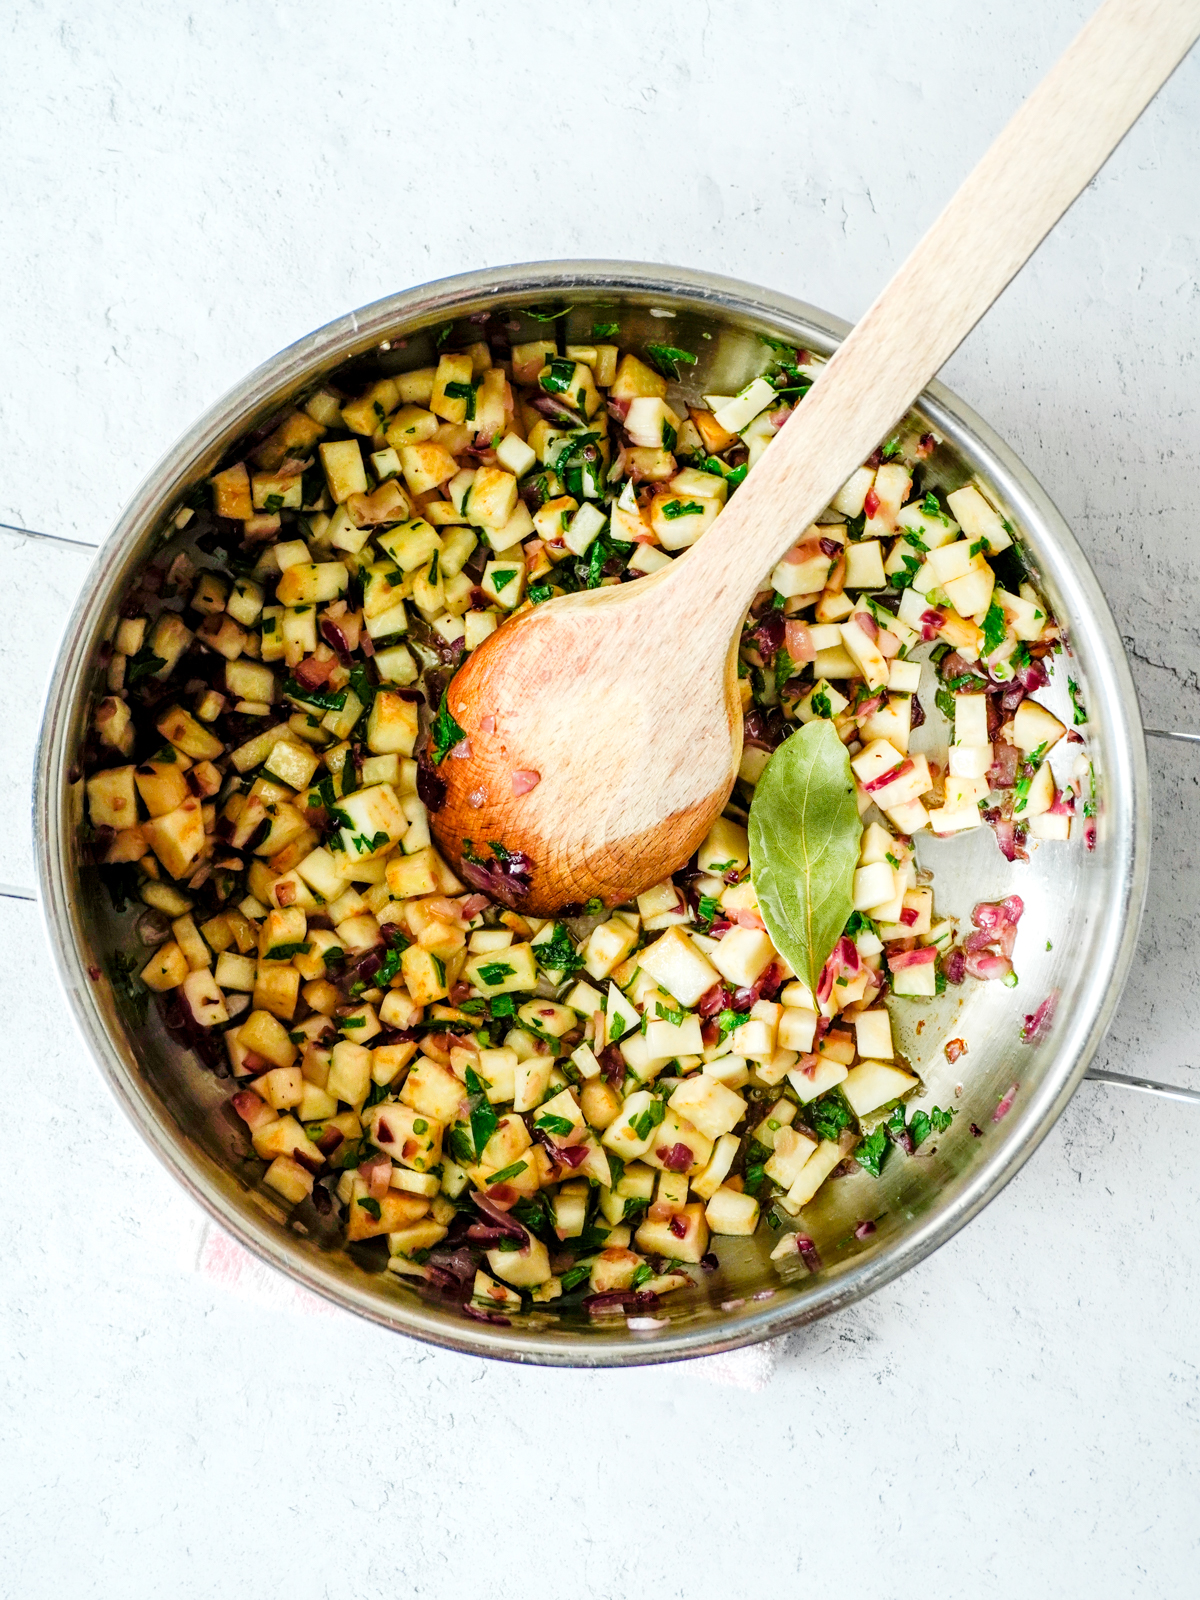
[1005, 1105]
[1037, 1024]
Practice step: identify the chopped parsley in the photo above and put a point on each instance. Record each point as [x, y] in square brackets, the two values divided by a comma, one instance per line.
[727, 1021]
[605, 330]
[327, 700]
[707, 910]
[674, 509]
[463, 391]
[285, 952]
[871, 1151]
[994, 628]
[484, 1120]
[931, 507]
[552, 1124]
[558, 954]
[1081, 715]
[645, 1124]
[494, 972]
[371, 1207]
[458, 1142]
[538, 592]
[666, 358]
[669, 1014]
[445, 732]
[829, 1116]
[505, 1173]
[556, 379]
[142, 665]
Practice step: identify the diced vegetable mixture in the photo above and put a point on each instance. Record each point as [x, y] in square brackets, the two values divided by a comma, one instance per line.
[504, 1110]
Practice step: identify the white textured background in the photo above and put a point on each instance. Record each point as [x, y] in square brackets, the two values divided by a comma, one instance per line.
[184, 192]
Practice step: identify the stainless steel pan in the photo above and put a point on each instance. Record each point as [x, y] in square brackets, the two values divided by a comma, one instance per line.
[1077, 937]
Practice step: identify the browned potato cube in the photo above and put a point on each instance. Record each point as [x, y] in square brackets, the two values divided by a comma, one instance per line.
[267, 1037]
[166, 968]
[186, 734]
[162, 786]
[293, 439]
[177, 838]
[433, 1090]
[683, 1235]
[290, 1179]
[276, 989]
[392, 725]
[113, 725]
[231, 493]
[344, 470]
[395, 1210]
[112, 801]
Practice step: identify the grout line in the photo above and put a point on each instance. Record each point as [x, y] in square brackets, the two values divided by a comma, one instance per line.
[51, 538]
[9, 891]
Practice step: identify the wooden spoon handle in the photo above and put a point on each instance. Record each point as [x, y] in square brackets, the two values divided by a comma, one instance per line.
[1052, 148]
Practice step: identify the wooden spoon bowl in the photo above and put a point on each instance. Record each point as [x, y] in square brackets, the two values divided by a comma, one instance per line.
[631, 770]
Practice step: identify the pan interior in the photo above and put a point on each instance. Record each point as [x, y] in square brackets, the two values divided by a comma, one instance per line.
[1075, 939]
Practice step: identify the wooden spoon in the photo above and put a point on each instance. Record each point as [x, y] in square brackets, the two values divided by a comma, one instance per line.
[603, 729]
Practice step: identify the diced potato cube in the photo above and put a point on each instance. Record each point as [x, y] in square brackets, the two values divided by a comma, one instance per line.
[166, 969]
[675, 962]
[345, 473]
[873, 1034]
[424, 975]
[367, 1218]
[607, 946]
[793, 1147]
[1034, 727]
[433, 1089]
[978, 519]
[815, 1170]
[727, 849]
[289, 1178]
[426, 466]
[392, 725]
[267, 1037]
[864, 565]
[730, 1211]
[683, 1236]
[406, 1135]
[872, 1084]
[708, 1105]
[112, 798]
[630, 1134]
[350, 1073]
[742, 956]
[508, 971]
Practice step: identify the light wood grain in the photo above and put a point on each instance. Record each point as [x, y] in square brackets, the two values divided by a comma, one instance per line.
[624, 699]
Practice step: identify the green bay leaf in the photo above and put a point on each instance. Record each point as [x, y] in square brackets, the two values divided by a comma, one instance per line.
[805, 833]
